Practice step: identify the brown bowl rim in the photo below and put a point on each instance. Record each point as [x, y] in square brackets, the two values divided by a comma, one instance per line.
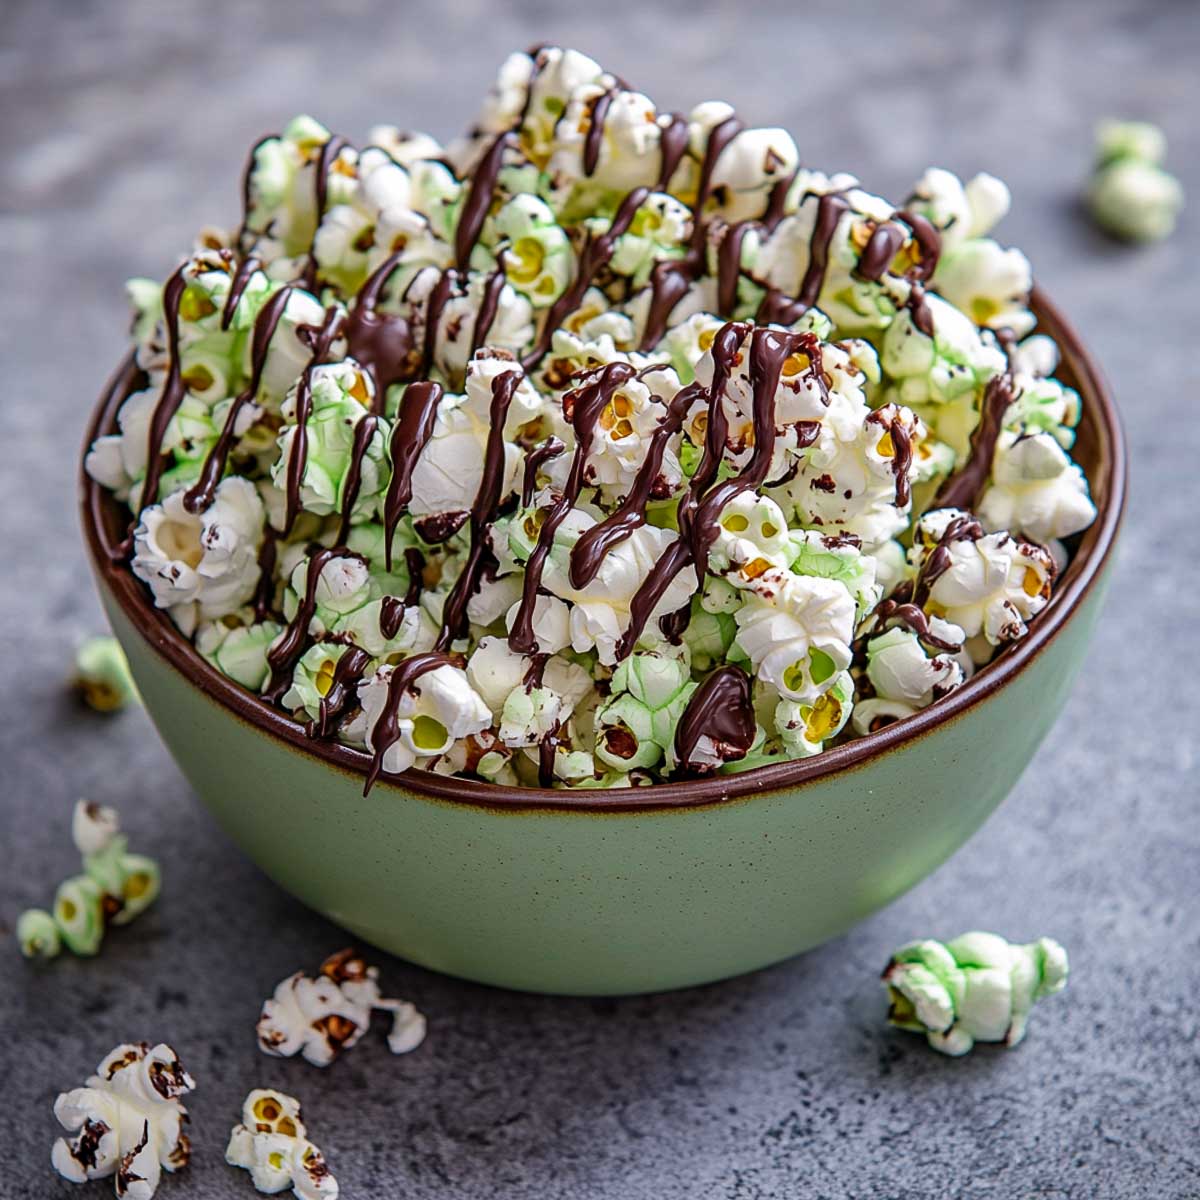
[97, 514]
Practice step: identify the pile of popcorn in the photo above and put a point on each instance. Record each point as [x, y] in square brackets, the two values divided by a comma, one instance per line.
[485, 458]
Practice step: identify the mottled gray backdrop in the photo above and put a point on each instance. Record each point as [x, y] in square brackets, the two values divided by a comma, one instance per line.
[125, 126]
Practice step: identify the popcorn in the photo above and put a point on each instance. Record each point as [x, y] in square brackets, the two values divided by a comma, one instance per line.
[272, 1143]
[116, 886]
[319, 1018]
[203, 564]
[976, 988]
[1130, 195]
[129, 1121]
[598, 445]
[102, 676]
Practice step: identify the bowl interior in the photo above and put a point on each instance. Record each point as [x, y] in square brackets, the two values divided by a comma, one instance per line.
[1099, 450]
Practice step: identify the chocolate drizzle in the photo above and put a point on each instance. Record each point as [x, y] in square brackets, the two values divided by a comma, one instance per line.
[364, 432]
[349, 670]
[286, 652]
[237, 287]
[386, 731]
[594, 138]
[669, 283]
[721, 709]
[914, 618]
[200, 495]
[264, 593]
[488, 307]
[415, 421]
[298, 455]
[963, 488]
[534, 460]
[392, 608]
[330, 149]
[483, 511]
[673, 144]
[381, 343]
[479, 199]
[937, 562]
[588, 403]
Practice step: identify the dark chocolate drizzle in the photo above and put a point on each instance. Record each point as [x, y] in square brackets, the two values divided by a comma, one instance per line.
[200, 495]
[483, 511]
[330, 149]
[364, 432]
[722, 709]
[916, 619]
[964, 487]
[669, 283]
[381, 343]
[321, 341]
[346, 675]
[415, 421]
[237, 287]
[534, 461]
[479, 199]
[587, 404]
[386, 731]
[264, 593]
[594, 138]
[673, 144]
[489, 305]
[937, 562]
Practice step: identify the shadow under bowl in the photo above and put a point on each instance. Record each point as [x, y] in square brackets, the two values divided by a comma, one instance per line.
[615, 892]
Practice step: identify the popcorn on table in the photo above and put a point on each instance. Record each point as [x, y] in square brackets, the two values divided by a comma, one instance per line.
[114, 888]
[102, 676]
[1130, 195]
[127, 1121]
[581, 407]
[976, 988]
[272, 1143]
[319, 1018]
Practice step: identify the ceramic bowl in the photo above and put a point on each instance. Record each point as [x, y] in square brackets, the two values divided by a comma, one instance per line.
[618, 891]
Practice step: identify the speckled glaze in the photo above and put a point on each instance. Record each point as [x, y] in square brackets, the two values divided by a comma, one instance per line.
[624, 891]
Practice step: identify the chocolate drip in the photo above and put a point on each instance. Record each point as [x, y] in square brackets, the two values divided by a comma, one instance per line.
[237, 287]
[595, 542]
[298, 457]
[594, 138]
[286, 652]
[415, 421]
[346, 675]
[777, 202]
[247, 173]
[669, 283]
[902, 454]
[588, 403]
[929, 244]
[721, 709]
[168, 402]
[915, 619]
[718, 138]
[325, 159]
[433, 315]
[535, 672]
[729, 266]
[488, 307]
[386, 731]
[200, 495]
[392, 608]
[364, 431]
[726, 348]
[534, 460]
[960, 529]
[918, 306]
[964, 487]
[381, 343]
[440, 527]
[547, 748]
[831, 207]
[673, 144]
[264, 592]
[483, 511]
[769, 350]
[883, 246]
[479, 199]
[596, 252]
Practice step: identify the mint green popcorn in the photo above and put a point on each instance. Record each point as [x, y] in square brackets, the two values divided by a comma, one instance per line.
[37, 933]
[1130, 194]
[804, 727]
[102, 675]
[344, 587]
[341, 398]
[538, 260]
[313, 677]
[659, 231]
[529, 715]
[837, 558]
[1047, 406]
[709, 636]
[79, 914]
[650, 690]
[976, 988]
[239, 652]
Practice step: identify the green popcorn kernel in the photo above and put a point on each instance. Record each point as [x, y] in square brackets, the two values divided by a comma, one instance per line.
[805, 728]
[141, 882]
[840, 559]
[976, 988]
[102, 675]
[653, 677]
[313, 677]
[79, 914]
[538, 260]
[38, 934]
[709, 636]
[625, 734]
[1135, 201]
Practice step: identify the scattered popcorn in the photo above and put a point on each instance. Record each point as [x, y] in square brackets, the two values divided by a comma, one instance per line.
[321, 1017]
[588, 449]
[1130, 195]
[272, 1143]
[977, 988]
[102, 676]
[127, 1120]
[116, 886]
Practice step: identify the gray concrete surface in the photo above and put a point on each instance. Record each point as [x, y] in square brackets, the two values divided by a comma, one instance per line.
[125, 128]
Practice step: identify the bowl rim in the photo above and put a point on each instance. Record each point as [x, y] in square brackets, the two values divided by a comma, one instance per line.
[97, 509]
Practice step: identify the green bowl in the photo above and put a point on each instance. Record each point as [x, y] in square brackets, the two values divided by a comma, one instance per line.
[614, 892]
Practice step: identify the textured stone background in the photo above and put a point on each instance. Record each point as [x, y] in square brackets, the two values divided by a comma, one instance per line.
[125, 129]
